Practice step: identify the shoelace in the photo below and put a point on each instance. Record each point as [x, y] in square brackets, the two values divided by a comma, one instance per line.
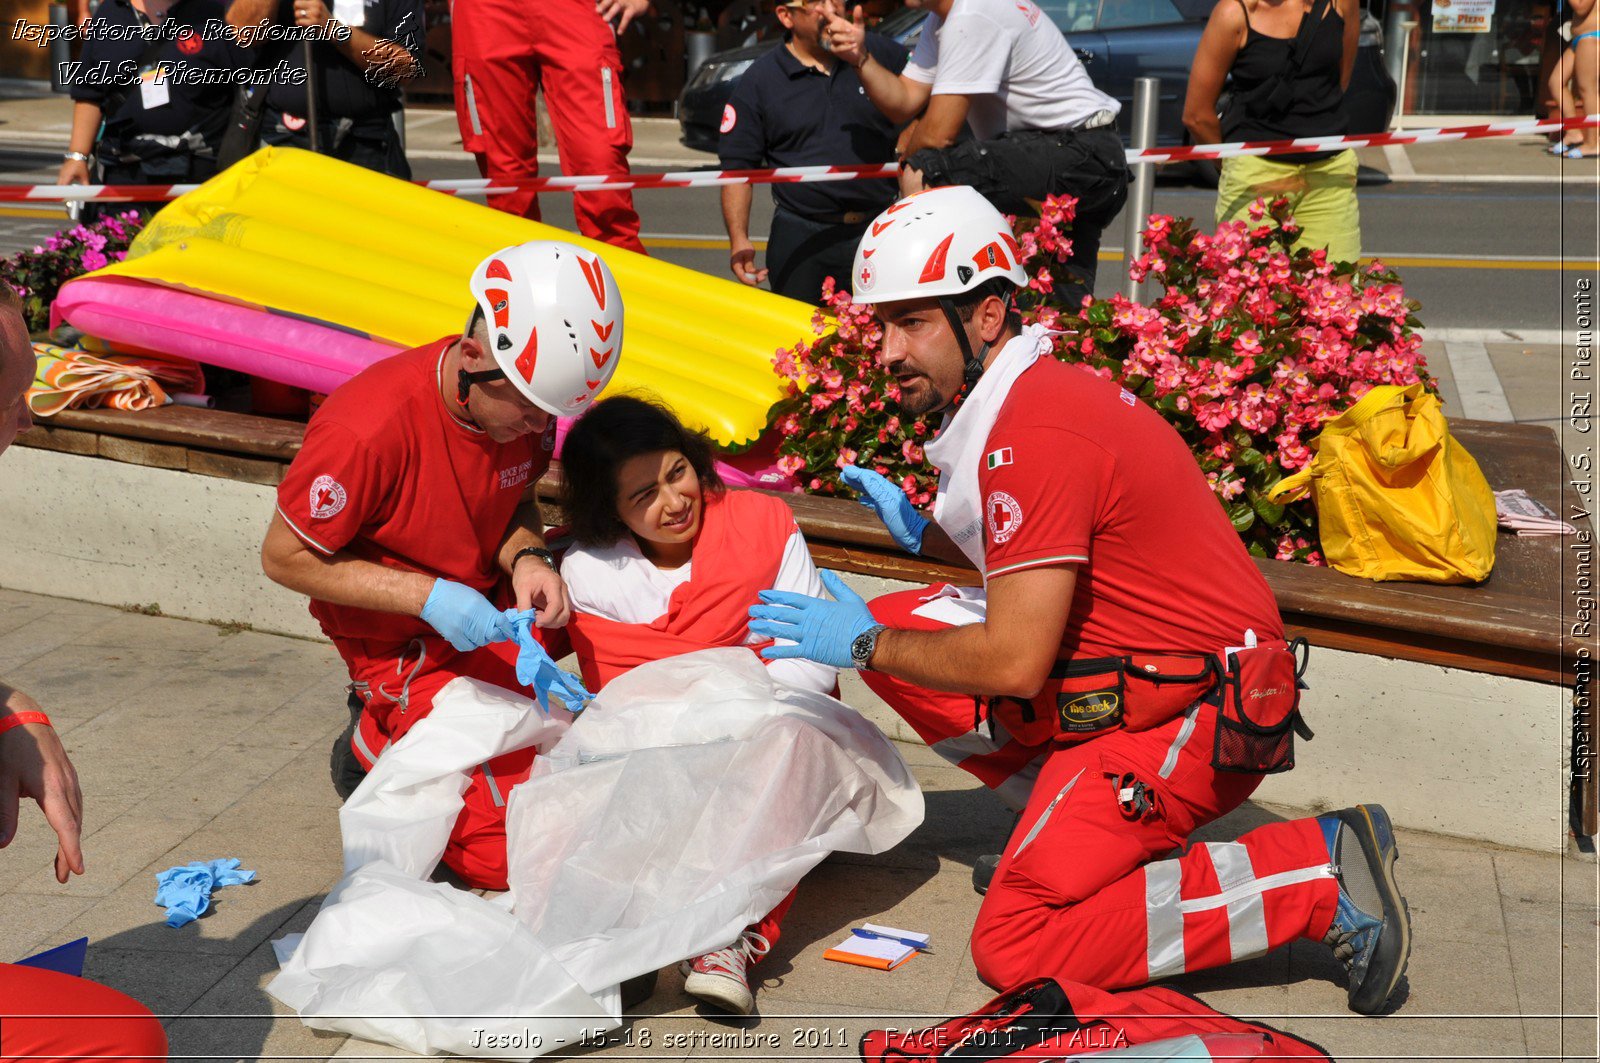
[751, 947]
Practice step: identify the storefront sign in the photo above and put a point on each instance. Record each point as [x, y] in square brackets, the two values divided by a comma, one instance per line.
[1462, 16]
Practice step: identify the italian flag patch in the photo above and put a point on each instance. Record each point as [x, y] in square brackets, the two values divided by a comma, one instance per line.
[997, 458]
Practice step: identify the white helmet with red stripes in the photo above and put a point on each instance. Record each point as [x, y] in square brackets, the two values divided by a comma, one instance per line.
[555, 322]
[935, 244]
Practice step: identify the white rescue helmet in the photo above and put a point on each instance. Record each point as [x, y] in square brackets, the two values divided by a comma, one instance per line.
[554, 316]
[937, 243]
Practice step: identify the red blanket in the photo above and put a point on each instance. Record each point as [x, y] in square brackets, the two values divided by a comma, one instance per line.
[736, 556]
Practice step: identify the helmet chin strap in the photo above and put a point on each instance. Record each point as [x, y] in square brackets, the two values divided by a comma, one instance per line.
[972, 364]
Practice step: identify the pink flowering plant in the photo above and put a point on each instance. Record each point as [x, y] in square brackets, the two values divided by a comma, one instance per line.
[38, 274]
[1251, 347]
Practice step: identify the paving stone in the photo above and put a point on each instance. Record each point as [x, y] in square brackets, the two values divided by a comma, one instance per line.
[28, 920]
[165, 982]
[308, 720]
[1453, 894]
[120, 848]
[305, 779]
[237, 1018]
[59, 627]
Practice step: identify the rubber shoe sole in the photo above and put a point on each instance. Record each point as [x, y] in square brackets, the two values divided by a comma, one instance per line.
[1372, 828]
[721, 992]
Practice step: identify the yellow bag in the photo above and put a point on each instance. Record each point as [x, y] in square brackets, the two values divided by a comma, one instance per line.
[1397, 497]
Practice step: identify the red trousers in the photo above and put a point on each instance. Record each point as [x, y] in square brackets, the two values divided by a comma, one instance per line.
[504, 52]
[399, 689]
[120, 1028]
[946, 721]
[1082, 893]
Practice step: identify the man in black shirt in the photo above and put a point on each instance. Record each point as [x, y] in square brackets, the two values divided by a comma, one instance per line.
[799, 106]
[358, 77]
[146, 129]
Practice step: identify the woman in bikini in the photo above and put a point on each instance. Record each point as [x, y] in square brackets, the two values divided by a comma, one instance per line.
[1575, 82]
[668, 561]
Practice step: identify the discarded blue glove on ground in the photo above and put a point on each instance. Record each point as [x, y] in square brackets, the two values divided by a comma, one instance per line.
[185, 892]
[535, 669]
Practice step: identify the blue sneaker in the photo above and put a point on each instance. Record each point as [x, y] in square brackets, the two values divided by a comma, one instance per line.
[1371, 932]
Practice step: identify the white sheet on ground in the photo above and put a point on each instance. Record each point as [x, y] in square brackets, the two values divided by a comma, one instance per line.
[680, 807]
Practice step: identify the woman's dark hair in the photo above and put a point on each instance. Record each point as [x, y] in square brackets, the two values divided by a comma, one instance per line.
[604, 438]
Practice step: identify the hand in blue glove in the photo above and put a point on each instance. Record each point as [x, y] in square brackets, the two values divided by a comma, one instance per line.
[880, 495]
[467, 619]
[535, 669]
[820, 630]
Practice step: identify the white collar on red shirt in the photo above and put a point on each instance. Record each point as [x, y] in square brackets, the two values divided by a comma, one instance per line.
[958, 449]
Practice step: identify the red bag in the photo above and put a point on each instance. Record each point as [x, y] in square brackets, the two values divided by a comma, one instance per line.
[1046, 1020]
[1260, 710]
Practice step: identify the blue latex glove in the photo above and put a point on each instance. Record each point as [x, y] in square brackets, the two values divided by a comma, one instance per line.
[466, 618]
[185, 892]
[535, 669]
[820, 630]
[879, 494]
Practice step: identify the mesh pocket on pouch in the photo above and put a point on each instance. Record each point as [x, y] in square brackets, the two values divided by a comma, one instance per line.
[1260, 710]
[1259, 752]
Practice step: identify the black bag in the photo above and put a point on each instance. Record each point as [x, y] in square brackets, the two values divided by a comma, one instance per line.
[1273, 97]
[244, 125]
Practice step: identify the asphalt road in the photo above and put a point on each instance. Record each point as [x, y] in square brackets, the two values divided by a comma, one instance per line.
[1475, 256]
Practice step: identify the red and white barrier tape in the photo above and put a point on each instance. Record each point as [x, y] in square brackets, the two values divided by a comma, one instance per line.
[808, 174]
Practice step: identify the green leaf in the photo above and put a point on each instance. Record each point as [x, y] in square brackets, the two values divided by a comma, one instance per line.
[1241, 515]
[1250, 458]
[1271, 512]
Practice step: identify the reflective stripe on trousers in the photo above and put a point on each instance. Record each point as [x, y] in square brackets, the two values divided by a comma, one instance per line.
[1239, 892]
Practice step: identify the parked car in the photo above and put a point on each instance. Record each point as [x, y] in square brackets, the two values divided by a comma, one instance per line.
[1118, 42]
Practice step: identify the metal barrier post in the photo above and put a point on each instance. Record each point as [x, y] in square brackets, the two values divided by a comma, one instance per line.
[1406, 29]
[1146, 93]
[60, 50]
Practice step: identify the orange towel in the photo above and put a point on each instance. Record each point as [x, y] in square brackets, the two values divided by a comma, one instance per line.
[69, 378]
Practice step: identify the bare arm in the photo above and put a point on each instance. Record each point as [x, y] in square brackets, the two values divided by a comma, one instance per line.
[1219, 45]
[1010, 653]
[242, 13]
[339, 577]
[85, 124]
[940, 127]
[900, 98]
[1350, 11]
[534, 584]
[736, 200]
[33, 764]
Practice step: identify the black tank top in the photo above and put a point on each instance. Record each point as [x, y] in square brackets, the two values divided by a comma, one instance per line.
[1315, 110]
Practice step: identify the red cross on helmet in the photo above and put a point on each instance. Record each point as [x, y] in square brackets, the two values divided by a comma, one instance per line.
[554, 316]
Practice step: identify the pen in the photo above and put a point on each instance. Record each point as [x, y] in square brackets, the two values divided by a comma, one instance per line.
[863, 932]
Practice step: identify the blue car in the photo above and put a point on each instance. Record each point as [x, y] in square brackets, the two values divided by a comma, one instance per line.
[1117, 40]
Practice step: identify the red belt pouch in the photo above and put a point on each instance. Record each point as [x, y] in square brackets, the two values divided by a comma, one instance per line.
[1081, 699]
[1160, 686]
[1260, 709]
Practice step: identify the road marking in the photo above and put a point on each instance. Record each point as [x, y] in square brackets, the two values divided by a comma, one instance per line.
[31, 212]
[1482, 397]
[1532, 337]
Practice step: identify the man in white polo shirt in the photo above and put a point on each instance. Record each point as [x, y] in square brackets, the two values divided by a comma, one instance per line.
[1041, 128]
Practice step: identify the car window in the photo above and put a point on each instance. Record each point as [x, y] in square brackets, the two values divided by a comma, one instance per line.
[1120, 14]
[1071, 15]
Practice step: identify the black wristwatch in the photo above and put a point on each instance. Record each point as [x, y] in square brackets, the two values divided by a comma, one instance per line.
[537, 551]
[862, 648]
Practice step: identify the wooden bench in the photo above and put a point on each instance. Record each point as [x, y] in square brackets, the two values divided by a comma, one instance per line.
[1517, 624]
